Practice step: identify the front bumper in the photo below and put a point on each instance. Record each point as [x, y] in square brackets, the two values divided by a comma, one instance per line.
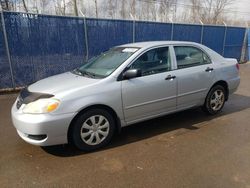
[41, 129]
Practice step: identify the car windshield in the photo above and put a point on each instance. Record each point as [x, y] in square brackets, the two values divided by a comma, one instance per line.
[104, 64]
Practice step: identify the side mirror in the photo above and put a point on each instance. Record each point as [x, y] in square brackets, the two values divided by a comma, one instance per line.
[131, 73]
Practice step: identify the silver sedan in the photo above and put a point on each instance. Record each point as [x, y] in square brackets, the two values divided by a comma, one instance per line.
[125, 85]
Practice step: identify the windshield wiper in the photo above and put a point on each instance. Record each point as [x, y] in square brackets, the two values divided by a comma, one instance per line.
[77, 71]
[85, 73]
[89, 74]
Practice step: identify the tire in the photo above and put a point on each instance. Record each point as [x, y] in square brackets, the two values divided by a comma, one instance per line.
[92, 130]
[215, 100]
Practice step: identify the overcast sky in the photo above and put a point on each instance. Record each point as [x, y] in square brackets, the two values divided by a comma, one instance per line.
[243, 6]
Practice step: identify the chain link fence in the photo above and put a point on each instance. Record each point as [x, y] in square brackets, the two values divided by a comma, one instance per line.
[34, 46]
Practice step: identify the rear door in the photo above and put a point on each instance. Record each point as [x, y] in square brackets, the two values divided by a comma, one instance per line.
[195, 75]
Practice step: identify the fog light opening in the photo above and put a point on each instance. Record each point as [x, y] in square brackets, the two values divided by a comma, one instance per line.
[37, 137]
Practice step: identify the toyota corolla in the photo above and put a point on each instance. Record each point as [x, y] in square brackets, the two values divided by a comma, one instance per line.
[125, 85]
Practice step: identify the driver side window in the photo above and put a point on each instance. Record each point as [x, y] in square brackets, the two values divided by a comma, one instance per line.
[153, 61]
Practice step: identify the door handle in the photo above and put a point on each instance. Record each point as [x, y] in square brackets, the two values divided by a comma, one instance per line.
[170, 77]
[208, 69]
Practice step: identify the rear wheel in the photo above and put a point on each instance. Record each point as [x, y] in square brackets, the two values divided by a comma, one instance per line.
[215, 100]
[92, 130]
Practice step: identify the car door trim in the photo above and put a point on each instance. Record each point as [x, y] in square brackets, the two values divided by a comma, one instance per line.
[149, 102]
[192, 92]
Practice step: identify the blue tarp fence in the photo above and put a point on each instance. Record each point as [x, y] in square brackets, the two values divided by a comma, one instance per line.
[34, 46]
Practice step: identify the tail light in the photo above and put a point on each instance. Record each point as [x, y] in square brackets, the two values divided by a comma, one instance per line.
[237, 66]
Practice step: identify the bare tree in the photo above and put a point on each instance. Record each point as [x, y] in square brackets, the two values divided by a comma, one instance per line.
[153, 10]
[174, 2]
[184, 17]
[60, 7]
[82, 7]
[35, 7]
[220, 6]
[165, 9]
[123, 10]
[7, 5]
[133, 8]
[111, 7]
[209, 11]
[196, 11]
[25, 6]
[44, 3]
[63, 7]
[143, 10]
[96, 9]
[75, 8]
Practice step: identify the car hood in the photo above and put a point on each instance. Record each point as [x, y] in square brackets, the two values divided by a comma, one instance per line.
[64, 82]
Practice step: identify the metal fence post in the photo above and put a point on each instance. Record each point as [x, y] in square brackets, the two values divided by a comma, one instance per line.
[202, 30]
[85, 36]
[133, 17]
[133, 31]
[224, 40]
[243, 57]
[7, 49]
[172, 29]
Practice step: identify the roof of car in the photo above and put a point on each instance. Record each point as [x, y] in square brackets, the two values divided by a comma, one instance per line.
[144, 45]
[156, 43]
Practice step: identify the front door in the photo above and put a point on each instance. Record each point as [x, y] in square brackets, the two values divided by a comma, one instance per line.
[153, 93]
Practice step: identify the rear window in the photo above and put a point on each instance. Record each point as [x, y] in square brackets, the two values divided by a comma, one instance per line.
[188, 56]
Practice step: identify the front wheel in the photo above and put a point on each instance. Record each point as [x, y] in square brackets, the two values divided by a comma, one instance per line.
[215, 100]
[92, 130]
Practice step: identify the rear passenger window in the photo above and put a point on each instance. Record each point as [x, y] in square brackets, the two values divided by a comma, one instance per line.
[187, 56]
[153, 61]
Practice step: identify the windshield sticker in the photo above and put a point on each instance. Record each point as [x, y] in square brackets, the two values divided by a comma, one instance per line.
[132, 50]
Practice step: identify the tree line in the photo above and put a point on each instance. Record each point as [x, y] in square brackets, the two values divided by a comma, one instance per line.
[192, 11]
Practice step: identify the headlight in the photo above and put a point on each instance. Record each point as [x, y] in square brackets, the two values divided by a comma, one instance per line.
[41, 106]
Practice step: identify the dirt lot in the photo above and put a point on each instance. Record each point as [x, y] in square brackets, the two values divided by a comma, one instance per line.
[187, 149]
